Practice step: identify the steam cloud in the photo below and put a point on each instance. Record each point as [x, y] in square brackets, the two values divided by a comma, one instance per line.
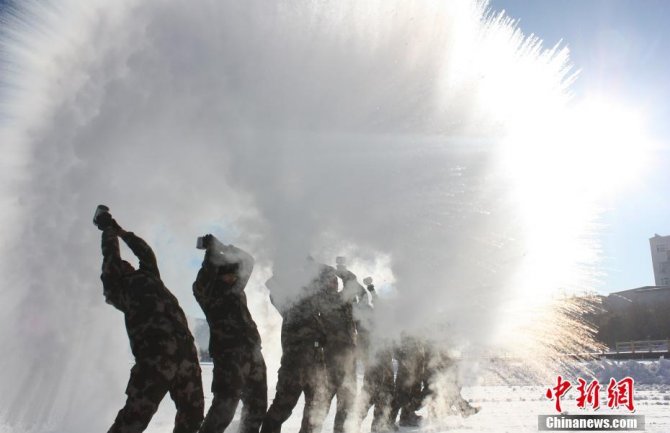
[381, 130]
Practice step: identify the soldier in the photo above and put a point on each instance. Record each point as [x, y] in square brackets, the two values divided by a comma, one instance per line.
[363, 319]
[165, 356]
[411, 358]
[378, 384]
[234, 342]
[420, 367]
[302, 366]
[441, 386]
[336, 310]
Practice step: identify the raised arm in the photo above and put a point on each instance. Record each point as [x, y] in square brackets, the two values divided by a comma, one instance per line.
[111, 267]
[111, 256]
[246, 265]
[202, 284]
[142, 251]
[228, 259]
[352, 289]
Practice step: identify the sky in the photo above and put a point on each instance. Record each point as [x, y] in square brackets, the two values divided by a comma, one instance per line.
[620, 48]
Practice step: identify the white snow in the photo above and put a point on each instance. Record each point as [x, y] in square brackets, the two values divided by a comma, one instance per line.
[504, 408]
[656, 372]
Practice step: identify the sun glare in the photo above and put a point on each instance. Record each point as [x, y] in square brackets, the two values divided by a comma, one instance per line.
[562, 172]
[613, 142]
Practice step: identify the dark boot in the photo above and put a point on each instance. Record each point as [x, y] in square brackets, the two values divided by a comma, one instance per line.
[409, 418]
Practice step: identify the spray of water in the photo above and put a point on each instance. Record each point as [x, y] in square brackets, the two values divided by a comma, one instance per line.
[424, 140]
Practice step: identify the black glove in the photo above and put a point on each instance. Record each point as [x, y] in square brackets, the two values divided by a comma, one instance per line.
[210, 241]
[104, 220]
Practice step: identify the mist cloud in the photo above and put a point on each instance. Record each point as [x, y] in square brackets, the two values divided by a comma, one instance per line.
[373, 129]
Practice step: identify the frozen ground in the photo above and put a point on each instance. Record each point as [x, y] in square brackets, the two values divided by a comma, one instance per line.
[504, 409]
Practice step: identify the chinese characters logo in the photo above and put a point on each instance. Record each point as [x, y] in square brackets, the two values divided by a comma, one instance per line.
[619, 393]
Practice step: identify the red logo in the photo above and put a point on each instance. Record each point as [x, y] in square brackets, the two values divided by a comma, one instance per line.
[588, 394]
[618, 393]
[621, 393]
[557, 392]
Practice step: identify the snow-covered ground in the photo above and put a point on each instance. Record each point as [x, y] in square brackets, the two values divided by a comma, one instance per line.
[504, 408]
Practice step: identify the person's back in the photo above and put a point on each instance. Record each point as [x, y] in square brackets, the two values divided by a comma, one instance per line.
[302, 366]
[411, 360]
[164, 350]
[230, 322]
[338, 320]
[378, 377]
[152, 314]
[336, 312]
[239, 371]
[219, 290]
[301, 326]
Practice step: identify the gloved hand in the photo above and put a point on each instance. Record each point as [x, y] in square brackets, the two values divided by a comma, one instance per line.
[215, 253]
[208, 241]
[104, 220]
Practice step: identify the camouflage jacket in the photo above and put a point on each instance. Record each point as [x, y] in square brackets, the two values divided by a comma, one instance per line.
[302, 326]
[224, 303]
[154, 319]
[336, 308]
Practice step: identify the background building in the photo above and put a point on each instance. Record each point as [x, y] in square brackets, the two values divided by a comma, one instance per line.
[660, 246]
[634, 315]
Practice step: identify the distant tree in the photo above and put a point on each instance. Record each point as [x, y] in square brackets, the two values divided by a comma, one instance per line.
[636, 320]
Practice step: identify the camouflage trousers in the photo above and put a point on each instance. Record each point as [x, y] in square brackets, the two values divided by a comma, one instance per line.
[409, 383]
[341, 367]
[238, 375]
[302, 369]
[176, 371]
[441, 388]
[378, 388]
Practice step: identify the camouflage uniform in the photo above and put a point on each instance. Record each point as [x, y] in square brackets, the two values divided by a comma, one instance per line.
[378, 381]
[165, 355]
[440, 367]
[378, 388]
[302, 366]
[411, 358]
[234, 342]
[336, 309]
